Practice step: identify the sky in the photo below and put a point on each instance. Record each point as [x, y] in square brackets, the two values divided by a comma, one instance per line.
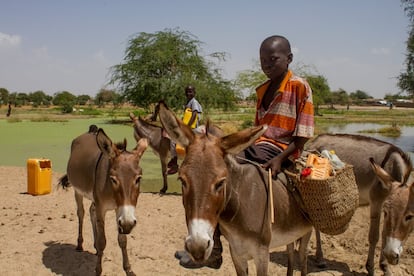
[70, 45]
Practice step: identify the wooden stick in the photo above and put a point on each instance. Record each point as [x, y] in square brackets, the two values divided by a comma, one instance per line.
[272, 212]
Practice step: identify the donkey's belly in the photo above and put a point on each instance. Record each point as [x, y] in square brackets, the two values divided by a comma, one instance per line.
[87, 194]
[281, 238]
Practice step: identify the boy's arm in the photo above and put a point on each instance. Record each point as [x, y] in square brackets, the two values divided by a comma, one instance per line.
[193, 117]
[276, 163]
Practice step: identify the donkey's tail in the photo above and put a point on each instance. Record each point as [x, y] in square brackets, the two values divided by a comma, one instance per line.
[64, 182]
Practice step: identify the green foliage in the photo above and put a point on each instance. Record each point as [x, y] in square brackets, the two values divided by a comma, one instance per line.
[4, 96]
[64, 99]
[389, 131]
[20, 99]
[160, 65]
[67, 107]
[321, 92]
[91, 112]
[82, 99]
[340, 97]
[406, 79]
[247, 81]
[39, 98]
[359, 95]
[106, 96]
[409, 8]
[246, 124]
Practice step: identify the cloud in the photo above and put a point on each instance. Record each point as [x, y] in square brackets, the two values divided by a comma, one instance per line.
[380, 51]
[7, 40]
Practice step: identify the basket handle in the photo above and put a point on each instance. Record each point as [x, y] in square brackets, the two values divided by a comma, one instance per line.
[290, 174]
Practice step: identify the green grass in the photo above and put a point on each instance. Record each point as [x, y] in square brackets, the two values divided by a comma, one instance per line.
[390, 131]
[379, 116]
[25, 139]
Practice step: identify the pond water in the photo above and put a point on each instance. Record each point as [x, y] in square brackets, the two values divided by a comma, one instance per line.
[405, 141]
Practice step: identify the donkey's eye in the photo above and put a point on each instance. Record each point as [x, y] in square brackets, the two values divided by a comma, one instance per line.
[114, 181]
[138, 180]
[385, 214]
[219, 185]
[409, 217]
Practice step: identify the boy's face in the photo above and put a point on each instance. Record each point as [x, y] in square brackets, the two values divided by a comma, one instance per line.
[274, 59]
[189, 93]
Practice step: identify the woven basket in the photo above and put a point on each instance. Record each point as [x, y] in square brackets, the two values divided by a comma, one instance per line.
[330, 203]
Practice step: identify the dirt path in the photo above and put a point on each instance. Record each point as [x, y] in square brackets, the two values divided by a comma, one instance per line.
[38, 237]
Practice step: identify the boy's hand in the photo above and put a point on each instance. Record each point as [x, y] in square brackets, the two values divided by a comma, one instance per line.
[274, 164]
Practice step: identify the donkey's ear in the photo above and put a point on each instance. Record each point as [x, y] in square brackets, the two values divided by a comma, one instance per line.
[142, 145]
[236, 142]
[176, 129]
[105, 144]
[385, 178]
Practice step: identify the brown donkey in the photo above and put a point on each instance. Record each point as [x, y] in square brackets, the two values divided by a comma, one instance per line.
[355, 150]
[159, 143]
[109, 176]
[398, 212]
[216, 189]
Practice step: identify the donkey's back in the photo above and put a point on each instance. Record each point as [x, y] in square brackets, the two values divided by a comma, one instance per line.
[356, 150]
[82, 163]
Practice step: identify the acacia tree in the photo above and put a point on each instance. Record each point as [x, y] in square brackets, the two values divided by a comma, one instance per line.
[321, 93]
[39, 98]
[64, 99]
[4, 96]
[247, 80]
[159, 65]
[406, 79]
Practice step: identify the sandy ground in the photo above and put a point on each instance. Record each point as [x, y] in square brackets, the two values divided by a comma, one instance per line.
[38, 237]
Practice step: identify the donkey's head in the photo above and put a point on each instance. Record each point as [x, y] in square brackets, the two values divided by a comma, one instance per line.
[204, 177]
[124, 176]
[398, 211]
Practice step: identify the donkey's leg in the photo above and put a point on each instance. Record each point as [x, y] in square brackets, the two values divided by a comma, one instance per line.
[373, 237]
[320, 261]
[240, 262]
[261, 260]
[92, 214]
[164, 150]
[303, 253]
[100, 241]
[290, 248]
[122, 241]
[81, 214]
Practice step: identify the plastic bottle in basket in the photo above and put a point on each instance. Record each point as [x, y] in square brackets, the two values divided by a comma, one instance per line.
[335, 161]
